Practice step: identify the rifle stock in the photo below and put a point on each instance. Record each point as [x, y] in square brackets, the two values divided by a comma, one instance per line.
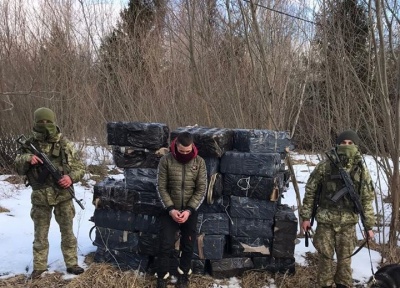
[55, 173]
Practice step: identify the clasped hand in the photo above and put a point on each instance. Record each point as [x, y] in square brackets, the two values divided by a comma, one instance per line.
[180, 217]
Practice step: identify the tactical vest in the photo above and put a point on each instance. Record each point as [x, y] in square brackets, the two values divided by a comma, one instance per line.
[55, 151]
[333, 182]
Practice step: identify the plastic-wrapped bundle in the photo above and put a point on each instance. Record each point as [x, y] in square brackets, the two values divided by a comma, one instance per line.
[147, 203]
[230, 267]
[146, 224]
[261, 141]
[251, 228]
[122, 259]
[212, 165]
[251, 186]
[114, 219]
[245, 207]
[132, 157]
[112, 194]
[116, 239]
[285, 232]
[210, 247]
[213, 224]
[246, 247]
[151, 136]
[126, 220]
[141, 179]
[264, 263]
[219, 205]
[211, 142]
[257, 164]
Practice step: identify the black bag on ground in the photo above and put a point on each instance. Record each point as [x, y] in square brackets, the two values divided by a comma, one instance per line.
[116, 239]
[285, 232]
[210, 247]
[121, 259]
[230, 267]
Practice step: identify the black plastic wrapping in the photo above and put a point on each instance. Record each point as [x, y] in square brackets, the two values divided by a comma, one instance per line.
[251, 228]
[285, 265]
[126, 220]
[245, 207]
[147, 203]
[122, 259]
[146, 224]
[212, 165]
[211, 142]
[219, 205]
[246, 247]
[264, 263]
[141, 179]
[251, 186]
[114, 219]
[112, 194]
[256, 164]
[116, 239]
[261, 141]
[285, 232]
[213, 224]
[212, 247]
[138, 134]
[230, 267]
[132, 157]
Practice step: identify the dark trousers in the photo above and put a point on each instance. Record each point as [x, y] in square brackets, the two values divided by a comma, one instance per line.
[167, 244]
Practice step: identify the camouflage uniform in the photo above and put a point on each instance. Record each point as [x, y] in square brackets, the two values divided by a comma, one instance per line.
[48, 195]
[336, 222]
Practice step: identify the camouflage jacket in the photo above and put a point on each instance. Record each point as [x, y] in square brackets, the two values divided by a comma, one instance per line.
[181, 186]
[325, 179]
[47, 191]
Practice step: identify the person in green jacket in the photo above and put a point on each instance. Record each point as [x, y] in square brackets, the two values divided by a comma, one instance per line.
[181, 186]
[49, 195]
[336, 221]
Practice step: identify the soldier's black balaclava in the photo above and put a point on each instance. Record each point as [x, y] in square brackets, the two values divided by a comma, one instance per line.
[43, 113]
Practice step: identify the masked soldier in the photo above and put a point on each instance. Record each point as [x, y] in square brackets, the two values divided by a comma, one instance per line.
[49, 195]
[336, 220]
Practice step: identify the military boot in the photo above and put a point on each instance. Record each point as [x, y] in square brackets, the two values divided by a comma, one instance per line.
[183, 278]
[37, 273]
[76, 270]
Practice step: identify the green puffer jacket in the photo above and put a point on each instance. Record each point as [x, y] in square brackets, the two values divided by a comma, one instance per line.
[48, 192]
[181, 186]
[325, 177]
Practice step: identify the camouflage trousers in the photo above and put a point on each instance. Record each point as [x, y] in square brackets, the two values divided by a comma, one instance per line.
[331, 238]
[64, 213]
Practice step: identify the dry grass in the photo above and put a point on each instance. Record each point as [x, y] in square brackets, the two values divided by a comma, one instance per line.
[3, 209]
[105, 275]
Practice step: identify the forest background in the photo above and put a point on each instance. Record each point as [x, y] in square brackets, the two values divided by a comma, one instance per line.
[313, 68]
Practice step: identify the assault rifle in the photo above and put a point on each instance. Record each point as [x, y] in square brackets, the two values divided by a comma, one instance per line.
[348, 189]
[48, 165]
